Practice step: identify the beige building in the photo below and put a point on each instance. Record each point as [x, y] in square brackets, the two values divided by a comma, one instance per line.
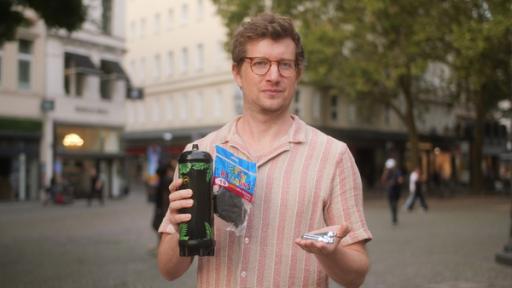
[175, 52]
[62, 110]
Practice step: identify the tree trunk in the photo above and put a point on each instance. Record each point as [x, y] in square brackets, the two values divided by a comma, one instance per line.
[410, 122]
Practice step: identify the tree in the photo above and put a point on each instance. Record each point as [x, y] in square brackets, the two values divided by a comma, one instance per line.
[479, 46]
[374, 52]
[67, 14]
[377, 53]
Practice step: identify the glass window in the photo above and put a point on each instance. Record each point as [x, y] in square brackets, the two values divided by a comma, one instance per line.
[106, 17]
[170, 63]
[74, 82]
[142, 27]
[184, 60]
[157, 72]
[200, 9]
[170, 19]
[157, 23]
[200, 57]
[184, 13]
[24, 63]
[107, 87]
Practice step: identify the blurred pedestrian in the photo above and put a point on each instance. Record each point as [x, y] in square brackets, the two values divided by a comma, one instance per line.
[392, 179]
[165, 174]
[51, 190]
[97, 185]
[415, 191]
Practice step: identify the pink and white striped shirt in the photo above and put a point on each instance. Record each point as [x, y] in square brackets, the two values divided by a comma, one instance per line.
[308, 181]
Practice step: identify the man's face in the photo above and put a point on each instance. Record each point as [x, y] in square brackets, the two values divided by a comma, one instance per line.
[271, 92]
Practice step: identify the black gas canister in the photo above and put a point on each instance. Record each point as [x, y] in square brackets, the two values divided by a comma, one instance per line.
[196, 236]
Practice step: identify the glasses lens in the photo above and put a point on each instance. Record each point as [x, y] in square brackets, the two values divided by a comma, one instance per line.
[287, 67]
[260, 65]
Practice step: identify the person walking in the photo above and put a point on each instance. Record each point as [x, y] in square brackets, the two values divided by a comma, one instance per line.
[289, 198]
[392, 179]
[415, 191]
[96, 189]
[165, 174]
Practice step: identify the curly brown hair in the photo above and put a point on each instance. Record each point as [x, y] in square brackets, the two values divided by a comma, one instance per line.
[265, 25]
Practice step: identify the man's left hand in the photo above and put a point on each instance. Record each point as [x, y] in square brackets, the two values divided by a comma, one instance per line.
[318, 247]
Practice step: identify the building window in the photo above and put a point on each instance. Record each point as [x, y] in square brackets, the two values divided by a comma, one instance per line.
[170, 63]
[200, 9]
[184, 14]
[157, 70]
[334, 107]
[199, 105]
[24, 64]
[106, 17]
[182, 106]
[142, 70]
[170, 19]
[184, 60]
[217, 104]
[142, 30]
[157, 23]
[107, 87]
[169, 111]
[200, 57]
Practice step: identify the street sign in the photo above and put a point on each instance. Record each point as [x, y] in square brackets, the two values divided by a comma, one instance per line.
[47, 105]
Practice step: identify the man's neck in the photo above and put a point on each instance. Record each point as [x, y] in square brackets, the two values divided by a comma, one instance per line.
[261, 132]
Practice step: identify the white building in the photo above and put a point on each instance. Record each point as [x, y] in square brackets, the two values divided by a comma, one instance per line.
[176, 54]
[73, 89]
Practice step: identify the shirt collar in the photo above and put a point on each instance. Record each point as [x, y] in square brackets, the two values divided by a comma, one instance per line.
[296, 133]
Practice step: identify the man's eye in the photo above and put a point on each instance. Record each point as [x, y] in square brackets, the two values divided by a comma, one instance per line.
[288, 65]
[260, 63]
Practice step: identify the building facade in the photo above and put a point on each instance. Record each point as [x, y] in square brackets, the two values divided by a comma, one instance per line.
[176, 54]
[66, 101]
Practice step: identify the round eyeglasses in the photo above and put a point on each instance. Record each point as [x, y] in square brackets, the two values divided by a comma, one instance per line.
[261, 65]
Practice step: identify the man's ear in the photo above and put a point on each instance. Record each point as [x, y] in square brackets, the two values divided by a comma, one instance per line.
[235, 70]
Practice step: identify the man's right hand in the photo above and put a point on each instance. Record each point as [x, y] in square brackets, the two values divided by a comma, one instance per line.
[179, 199]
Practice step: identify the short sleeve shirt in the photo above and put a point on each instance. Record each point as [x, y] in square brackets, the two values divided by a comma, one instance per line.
[307, 181]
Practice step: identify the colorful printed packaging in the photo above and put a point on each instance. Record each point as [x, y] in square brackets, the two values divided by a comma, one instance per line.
[234, 181]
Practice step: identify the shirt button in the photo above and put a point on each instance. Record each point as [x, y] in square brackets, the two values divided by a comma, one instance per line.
[243, 274]
[246, 240]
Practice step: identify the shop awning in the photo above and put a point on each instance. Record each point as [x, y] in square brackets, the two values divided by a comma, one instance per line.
[80, 63]
[113, 69]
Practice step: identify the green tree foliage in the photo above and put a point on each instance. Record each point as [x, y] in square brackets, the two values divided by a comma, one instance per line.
[67, 14]
[479, 46]
[377, 52]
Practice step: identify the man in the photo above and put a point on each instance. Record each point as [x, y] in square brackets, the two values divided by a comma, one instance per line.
[392, 179]
[306, 181]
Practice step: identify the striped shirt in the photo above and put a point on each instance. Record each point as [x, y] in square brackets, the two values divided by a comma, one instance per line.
[308, 181]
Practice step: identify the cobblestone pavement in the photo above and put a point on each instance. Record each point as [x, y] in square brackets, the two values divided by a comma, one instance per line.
[451, 246]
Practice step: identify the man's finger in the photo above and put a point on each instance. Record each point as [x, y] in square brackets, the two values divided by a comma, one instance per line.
[176, 205]
[175, 185]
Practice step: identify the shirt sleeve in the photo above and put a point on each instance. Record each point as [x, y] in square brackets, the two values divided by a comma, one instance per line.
[345, 202]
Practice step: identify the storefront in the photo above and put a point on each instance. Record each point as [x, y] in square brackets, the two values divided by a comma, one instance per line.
[19, 154]
[81, 149]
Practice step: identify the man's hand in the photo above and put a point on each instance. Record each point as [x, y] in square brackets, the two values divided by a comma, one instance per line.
[179, 199]
[321, 248]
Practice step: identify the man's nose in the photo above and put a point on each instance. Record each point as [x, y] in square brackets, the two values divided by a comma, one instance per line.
[273, 72]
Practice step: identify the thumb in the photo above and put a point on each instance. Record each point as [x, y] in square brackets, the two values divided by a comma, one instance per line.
[343, 231]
